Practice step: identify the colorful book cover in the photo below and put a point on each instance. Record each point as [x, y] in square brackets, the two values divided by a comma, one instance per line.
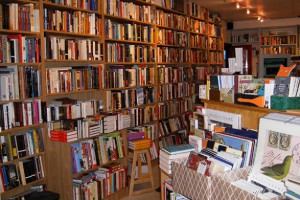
[181, 148]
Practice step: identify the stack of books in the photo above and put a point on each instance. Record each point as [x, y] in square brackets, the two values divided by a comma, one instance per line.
[140, 144]
[171, 153]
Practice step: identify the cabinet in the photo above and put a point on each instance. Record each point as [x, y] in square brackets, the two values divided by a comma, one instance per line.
[22, 154]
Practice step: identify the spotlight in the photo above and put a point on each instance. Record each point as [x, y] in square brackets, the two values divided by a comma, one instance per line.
[258, 18]
[262, 19]
[248, 11]
[237, 5]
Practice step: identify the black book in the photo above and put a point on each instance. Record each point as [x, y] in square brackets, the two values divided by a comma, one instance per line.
[29, 170]
[21, 145]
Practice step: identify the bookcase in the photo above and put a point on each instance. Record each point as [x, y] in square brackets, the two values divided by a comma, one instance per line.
[21, 98]
[133, 61]
[268, 40]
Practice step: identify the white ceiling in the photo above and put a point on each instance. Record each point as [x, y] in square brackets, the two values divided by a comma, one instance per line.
[270, 9]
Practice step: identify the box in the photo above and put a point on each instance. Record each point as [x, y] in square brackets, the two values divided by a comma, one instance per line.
[285, 103]
[196, 186]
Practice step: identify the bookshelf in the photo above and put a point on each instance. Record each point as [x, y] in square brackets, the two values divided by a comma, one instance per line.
[136, 66]
[21, 99]
[268, 40]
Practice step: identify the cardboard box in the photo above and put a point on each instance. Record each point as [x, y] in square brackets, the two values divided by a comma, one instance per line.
[198, 187]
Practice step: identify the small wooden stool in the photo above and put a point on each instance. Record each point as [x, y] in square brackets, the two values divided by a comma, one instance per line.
[142, 177]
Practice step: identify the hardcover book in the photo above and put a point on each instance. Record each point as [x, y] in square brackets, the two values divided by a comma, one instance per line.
[181, 148]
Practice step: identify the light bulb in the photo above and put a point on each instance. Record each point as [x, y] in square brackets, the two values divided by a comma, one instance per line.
[262, 19]
[258, 18]
[237, 5]
[248, 11]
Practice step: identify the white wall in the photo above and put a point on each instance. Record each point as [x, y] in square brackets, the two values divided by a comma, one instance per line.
[266, 23]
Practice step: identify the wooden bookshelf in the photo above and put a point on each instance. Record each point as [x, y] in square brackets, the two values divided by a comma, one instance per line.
[157, 45]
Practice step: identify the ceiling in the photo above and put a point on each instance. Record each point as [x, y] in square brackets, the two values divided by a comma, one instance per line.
[270, 9]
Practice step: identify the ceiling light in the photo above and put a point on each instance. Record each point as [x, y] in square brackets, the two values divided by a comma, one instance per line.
[237, 5]
[248, 11]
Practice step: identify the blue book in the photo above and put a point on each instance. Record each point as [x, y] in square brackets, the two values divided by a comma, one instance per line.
[181, 148]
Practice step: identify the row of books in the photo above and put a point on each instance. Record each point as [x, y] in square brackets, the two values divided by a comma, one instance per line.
[19, 82]
[72, 21]
[216, 57]
[172, 55]
[215, 43]
[119, 52]
[127, 31]
[21, 173]
[23, 17]
[278, 40]
[119, 99]
[173, 107]
[174, 91]
[20, 145]
[172, 74]
[199, 56]
[171, 125]
[198, 41]
[73, 49]
[19, 49]
[129, 10]
[172, 37]
[171, 20]
[214, 30]
[279, 50]
[196, 10]
[174, 139]
[67, 130]
[197, 26]
[199, 73]
[67, 108]
[25, 113]
[98, 151]
[117, 76]
[68, 79]
[87, 5]
[101, 183]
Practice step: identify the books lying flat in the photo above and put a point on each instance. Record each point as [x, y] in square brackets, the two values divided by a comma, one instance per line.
[181, 148]
[163, 155]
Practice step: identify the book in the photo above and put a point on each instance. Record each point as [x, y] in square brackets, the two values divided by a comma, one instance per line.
[196, 142]
[282, 86]
[198, 163]
[177, 149]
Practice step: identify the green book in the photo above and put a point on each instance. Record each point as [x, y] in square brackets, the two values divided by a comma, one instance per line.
[181, 148]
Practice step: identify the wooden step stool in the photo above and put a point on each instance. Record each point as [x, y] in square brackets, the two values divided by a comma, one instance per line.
[142, 177]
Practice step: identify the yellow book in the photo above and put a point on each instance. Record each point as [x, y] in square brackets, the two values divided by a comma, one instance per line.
[36, 141]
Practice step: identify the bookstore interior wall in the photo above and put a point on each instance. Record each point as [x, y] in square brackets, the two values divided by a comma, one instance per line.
[77, 78]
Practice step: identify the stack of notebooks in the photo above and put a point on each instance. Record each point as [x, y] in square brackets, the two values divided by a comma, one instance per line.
[140, 144]
[171, 153]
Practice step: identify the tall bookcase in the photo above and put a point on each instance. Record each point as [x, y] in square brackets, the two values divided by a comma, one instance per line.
[134, 58]
[21, 68]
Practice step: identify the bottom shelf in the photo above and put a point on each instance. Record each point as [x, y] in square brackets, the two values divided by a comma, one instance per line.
[22, 189]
